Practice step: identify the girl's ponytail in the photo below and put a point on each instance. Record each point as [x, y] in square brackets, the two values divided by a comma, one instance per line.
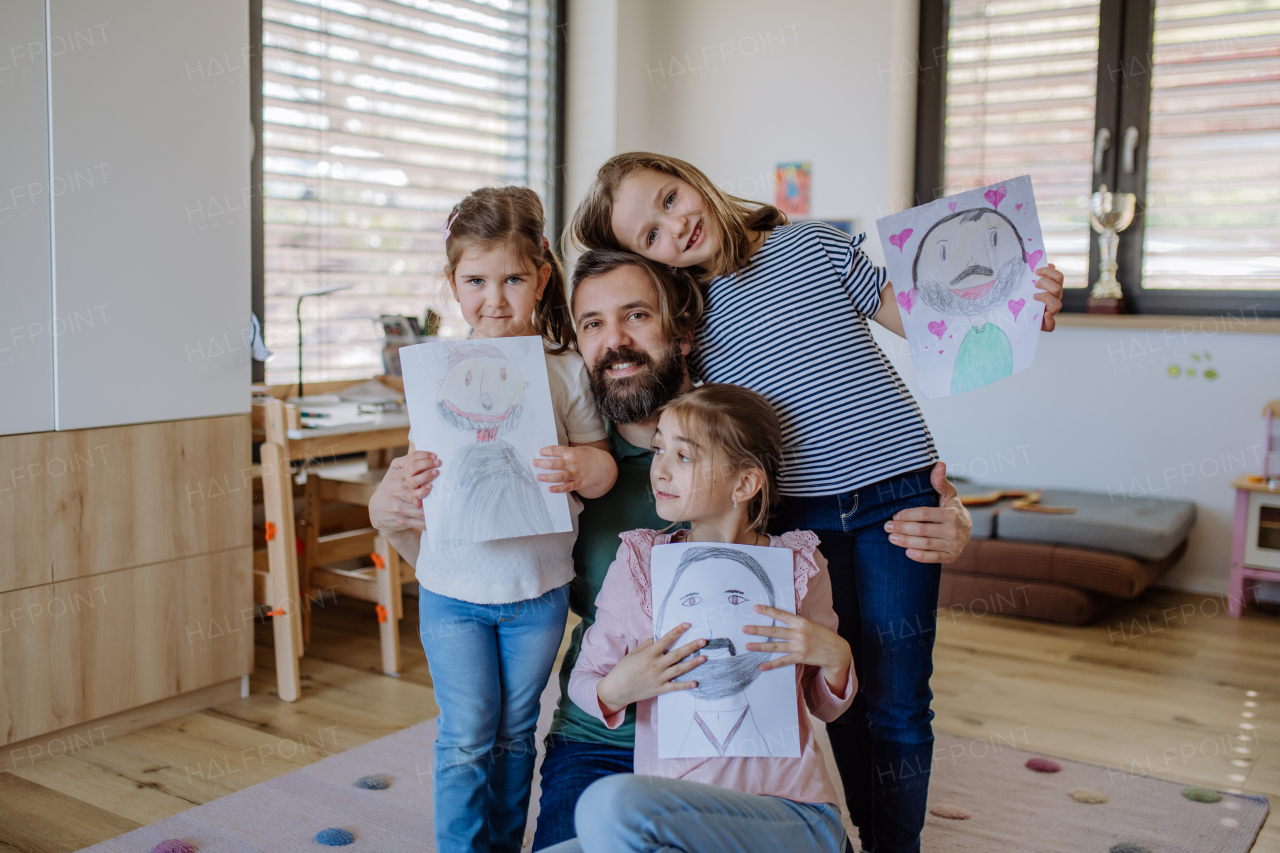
[552, 318]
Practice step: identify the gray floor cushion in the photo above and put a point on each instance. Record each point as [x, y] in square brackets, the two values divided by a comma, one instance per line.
[1146, 528]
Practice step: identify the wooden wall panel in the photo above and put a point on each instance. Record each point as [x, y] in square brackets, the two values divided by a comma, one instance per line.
[74, 504]
[78, 650]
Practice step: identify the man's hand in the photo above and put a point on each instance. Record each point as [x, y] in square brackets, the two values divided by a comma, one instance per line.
[397, 504]
[933, 534]
[1050, 282]
[647, 671]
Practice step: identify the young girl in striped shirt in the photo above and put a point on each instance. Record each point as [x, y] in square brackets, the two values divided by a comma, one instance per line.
[787, 315]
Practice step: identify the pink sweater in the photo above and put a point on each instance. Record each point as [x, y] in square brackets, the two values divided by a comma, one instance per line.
[624, 620]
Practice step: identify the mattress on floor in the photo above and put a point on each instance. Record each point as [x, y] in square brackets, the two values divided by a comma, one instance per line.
[981, 595]
[1106, 573]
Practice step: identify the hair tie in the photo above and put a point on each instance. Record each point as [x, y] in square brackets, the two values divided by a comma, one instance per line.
[448, 226]
[546, 244]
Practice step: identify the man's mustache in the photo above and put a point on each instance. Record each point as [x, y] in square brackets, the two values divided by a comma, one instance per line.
[613, 356]
[972, 269]
[721, 643]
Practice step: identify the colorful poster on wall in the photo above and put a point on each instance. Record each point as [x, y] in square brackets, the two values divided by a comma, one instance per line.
[792, 190]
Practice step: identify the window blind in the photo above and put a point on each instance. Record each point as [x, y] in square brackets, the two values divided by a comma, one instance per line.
[1213, 167]
[1021, 79]
[378, 116]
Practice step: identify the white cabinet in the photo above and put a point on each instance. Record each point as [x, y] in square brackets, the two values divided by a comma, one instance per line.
[150, 190]
[26, 295]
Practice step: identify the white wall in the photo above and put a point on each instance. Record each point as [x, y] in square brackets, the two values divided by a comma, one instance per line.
[1099, 410]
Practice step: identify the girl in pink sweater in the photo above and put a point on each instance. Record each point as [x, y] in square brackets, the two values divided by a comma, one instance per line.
[718, 449]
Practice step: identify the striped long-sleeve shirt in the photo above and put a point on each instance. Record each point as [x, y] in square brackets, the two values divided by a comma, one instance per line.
[794, 326]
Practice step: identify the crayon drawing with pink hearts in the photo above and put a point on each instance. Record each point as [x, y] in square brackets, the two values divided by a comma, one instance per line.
[963, 273]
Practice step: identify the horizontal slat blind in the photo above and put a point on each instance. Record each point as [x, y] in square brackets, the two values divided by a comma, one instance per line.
[1213, 167]
[1021, 78]
[378, 116]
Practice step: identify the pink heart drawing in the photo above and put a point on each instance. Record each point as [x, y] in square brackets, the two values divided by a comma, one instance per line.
[1018, 207]
[907, 299]
[941, 351]
[994, 197]
[900, 239]
[1033, 259]
[938, 327]
[951, 205]
[1016, 307]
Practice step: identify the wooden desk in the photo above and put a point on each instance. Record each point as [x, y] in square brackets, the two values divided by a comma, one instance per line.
[276, 424]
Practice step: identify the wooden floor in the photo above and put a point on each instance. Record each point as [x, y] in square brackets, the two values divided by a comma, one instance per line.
[1167, 686]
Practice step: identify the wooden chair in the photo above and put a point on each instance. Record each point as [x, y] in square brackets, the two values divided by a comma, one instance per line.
[379, 582]
[287, 584]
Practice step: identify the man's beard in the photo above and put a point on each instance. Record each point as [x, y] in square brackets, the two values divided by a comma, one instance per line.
[719, 678]
[939, 297]
[634, 398]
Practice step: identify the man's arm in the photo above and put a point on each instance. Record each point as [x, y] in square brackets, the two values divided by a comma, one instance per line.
[395, 509]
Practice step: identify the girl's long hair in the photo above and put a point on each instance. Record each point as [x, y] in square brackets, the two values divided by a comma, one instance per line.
[743, 426]
[735, 218]
[512, 217]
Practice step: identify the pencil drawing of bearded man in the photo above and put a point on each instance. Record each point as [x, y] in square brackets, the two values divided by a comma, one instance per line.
[717, 609]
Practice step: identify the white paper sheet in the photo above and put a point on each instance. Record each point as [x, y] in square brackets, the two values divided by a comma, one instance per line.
[484, 407]
[736, 710]
[963, 273]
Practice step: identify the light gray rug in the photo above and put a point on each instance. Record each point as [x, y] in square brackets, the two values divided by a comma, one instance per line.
[1010, 809]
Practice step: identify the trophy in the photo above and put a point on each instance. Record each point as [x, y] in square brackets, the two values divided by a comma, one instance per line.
[1109, 214]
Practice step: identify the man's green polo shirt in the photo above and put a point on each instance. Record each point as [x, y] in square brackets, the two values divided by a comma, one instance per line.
[628, 506]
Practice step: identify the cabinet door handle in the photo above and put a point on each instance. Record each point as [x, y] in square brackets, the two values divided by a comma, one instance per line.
[1129, 150]
[1101, 143]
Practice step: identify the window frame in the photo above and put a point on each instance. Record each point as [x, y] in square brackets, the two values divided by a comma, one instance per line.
[1123, 100]
[557, 88]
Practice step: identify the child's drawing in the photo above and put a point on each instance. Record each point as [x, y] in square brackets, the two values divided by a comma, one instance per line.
[964, 278]
[479, 426]
[495, 493]
[736, 709]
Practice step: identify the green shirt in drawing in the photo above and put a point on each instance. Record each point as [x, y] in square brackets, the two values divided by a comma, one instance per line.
[627, 506]
[984, 357]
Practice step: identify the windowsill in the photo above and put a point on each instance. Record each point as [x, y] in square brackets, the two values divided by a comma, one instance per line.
[1206, 324]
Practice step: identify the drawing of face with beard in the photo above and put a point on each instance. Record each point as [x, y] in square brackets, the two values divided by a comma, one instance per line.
[968, 262]
[488, 490]
[482, 391]
[718, 615]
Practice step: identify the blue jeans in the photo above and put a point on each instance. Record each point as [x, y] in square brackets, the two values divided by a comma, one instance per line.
[568, 768]
[489, 664]
[887, 604]
[646, 814]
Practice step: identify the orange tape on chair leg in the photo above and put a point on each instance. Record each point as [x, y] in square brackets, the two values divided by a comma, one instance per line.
[382, 612]
[378, 561]
[275, 612]
[271, 531]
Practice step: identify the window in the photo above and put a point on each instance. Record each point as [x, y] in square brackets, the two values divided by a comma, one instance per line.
[1176, 101]
[377, 117]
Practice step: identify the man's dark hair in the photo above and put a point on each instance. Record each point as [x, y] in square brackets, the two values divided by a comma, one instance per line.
[679, 298]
